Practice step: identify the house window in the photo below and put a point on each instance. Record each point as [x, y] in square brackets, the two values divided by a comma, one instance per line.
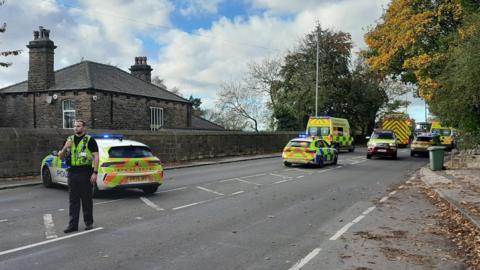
[68, 113]
[156, 118]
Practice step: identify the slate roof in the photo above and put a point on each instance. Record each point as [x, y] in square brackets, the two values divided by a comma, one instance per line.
[202, 123]
[95, 76]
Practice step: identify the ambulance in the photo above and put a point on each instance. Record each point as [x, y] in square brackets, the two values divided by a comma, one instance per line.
[336, 131]
[122, 164]
[447, 136]
[401, 124]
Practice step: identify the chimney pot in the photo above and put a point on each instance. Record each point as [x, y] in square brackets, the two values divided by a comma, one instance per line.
[140, 69]
[35, 35]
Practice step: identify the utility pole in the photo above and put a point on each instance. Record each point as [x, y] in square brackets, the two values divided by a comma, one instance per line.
[316, 81]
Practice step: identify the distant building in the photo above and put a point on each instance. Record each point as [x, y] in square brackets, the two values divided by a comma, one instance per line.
[105, 96]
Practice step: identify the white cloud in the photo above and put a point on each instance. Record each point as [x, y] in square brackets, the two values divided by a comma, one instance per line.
[198, 7]
[114, 31]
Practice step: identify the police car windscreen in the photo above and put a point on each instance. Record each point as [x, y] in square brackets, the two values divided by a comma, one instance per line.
[299, 144]
[423, 139]
[129, 152]
[385, 135]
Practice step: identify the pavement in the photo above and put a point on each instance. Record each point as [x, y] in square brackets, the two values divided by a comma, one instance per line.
[8, 183]
[431, 221]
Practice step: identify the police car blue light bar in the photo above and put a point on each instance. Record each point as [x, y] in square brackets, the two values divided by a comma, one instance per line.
[302, 135]
[108, 136]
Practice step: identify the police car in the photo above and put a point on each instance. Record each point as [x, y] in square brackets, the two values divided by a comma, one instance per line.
[309, 150]
[122, 164]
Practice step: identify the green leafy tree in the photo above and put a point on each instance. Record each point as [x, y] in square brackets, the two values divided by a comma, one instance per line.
[296, 91]
[3, 28]
[457, 102]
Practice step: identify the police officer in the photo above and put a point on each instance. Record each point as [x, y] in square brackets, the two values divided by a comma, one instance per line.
[82, 175]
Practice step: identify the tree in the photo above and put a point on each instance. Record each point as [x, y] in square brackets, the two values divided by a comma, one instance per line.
[412, 39]
[295, 92]
[457, 102]
[158, 82]
[240, 106]
[3, 28]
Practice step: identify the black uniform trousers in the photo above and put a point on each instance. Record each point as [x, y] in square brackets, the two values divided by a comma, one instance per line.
[80, 189]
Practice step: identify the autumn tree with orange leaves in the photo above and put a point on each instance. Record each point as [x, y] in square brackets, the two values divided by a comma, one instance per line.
[412, 39]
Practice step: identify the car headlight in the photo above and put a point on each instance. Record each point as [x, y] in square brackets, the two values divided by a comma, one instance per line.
[392, 144]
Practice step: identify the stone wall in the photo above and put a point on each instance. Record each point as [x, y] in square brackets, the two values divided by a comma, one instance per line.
[22, 150]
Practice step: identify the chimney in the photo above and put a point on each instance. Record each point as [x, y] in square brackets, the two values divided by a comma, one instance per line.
[40, 71]
[141, 70]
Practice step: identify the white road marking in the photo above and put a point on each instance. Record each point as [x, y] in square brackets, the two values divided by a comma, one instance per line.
[104, 202]
[238, 192]
[384, 199]
[306, 259]
[48, 241]
[49, 226]
[255, 175]
[61, 210]
[358, 219]
[151, 204]
[370, 209]
[3, 220]
[392, 193]
[248, 182]
[283, 181]
[300, 170]
[341, 231]
[228, 180]
[300, 176]
[188, 205]
[211, 191]
[173, 189]
[278, 175]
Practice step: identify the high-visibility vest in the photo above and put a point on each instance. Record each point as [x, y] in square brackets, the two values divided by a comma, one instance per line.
[81, 155]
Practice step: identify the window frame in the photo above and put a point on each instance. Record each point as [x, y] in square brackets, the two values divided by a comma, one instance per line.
[64, 111]
[156, 118]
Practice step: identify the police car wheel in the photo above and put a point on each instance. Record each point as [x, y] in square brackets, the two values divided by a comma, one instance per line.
[351, 149]
[46, 177]
[150, 190]
[287, 164]
[369, 156]
[335, 160]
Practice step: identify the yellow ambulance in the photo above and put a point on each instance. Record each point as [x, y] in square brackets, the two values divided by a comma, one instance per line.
[336, 131]
[446, 134]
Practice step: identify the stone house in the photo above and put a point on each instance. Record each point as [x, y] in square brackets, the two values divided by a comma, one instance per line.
[105, 96]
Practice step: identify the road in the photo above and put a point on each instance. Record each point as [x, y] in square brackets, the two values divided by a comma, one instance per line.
[244, 215]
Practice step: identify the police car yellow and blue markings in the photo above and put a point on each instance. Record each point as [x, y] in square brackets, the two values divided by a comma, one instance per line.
[120, 171]
[309, 154]
[54, 162]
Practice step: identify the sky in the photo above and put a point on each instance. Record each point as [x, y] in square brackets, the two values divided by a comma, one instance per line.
[193, 45]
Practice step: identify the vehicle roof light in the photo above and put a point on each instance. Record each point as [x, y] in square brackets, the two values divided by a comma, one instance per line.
[108, 136]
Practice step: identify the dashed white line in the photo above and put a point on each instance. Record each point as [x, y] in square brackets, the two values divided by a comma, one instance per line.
[306, 259]
[341, 231]
[356, 220]
[248, 182]
[384, 199]
[370, 209]
[3, 220]
[48, 241]
[300, 176]
[151, 204]
[255, 175]
[49, 226]
[238, 192]
[105, 202]
[188, 205]
[283, 181]
[211, 191]
[278, 175]
[173, 189]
